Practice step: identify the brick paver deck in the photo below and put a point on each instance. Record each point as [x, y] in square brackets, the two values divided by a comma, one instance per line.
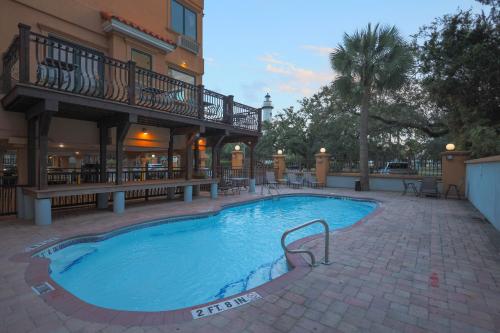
[420, 265]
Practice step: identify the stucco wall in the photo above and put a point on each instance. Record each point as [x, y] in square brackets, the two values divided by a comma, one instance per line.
[483, 187]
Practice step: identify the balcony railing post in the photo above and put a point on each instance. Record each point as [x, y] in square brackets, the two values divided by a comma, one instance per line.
[24, 53]
[228, 109]
[131, 82]
[259, 120]
[201, 106]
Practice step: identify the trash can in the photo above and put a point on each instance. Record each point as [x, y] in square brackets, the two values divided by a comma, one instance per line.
[357, 185]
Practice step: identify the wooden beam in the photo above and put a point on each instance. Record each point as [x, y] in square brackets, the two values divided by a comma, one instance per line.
[46, 105]
[117, 119]
[216, 156]
[170, 157]
[188, 130]
[189, 155]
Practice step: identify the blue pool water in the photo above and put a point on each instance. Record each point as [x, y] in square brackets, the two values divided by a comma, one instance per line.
[175, 265]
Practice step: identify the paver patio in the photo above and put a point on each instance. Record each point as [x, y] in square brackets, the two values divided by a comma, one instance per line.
[419, 265]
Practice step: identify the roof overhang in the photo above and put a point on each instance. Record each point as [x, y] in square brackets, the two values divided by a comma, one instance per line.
[114, 25]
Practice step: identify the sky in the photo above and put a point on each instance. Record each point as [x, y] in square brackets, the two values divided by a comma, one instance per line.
[252, 47]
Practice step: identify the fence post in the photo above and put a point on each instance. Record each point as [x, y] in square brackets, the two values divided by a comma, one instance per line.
[228, 109]
[322, 167]
[24, 53]
[131, 82]
[201, 106]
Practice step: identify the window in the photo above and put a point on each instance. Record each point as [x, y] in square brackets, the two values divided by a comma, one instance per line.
[183, 20]
[181, 76]
[142, 59]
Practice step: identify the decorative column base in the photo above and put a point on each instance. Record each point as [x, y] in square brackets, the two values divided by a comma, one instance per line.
[102, 200]
[213, 190]
[119, 202]
[43, 212]
[188, 193]
[251, 186]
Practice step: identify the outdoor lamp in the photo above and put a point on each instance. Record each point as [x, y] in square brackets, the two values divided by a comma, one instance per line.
[153, 156]
[280, 152]
[450, 147]
[237, 147]
[322, 150]
[61, 145]
[144, 131]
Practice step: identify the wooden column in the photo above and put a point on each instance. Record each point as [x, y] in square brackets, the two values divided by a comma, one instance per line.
[24, 53]
[196, 156]
[189, 155]
[43, 148]
[103, 154]
[121, 133]
[32, 165]
[252, 160]
[216, 156]
[170, 157]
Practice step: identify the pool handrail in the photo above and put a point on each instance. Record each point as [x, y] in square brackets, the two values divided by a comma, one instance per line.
[311, 255]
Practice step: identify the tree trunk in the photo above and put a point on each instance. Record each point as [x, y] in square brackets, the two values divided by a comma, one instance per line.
[363, 143]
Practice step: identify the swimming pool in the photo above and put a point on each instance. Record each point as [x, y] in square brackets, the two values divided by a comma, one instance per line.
[168, 266]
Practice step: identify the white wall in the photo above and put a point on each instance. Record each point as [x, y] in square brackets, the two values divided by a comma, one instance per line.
[483, 188]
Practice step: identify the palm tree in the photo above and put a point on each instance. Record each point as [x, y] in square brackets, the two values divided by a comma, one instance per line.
[368, 63]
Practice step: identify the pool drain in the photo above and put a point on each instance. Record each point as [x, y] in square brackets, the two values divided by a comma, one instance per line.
[43, 288]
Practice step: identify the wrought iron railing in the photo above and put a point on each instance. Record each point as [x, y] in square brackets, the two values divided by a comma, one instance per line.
[418, 167]
[60, 65]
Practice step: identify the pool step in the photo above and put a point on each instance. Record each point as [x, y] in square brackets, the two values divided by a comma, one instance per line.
[262, 274]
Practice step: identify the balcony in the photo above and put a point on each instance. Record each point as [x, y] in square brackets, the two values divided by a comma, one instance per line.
[34, 60]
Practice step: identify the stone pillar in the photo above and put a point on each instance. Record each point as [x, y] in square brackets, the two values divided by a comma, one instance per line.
[188, 193]
[43, 212]
[213, 190]
[20, 203]
[119, 202]
[322, 167]
[251, 186]
[196, 190]
[237, 160]
[279, 166]
[453, 170]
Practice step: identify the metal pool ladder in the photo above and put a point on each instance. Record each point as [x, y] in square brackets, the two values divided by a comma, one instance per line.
[313, 259]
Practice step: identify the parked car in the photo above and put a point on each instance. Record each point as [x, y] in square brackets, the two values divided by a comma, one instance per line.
[398, 168]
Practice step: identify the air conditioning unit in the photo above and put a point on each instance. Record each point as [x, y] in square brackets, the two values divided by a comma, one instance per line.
[188, 43]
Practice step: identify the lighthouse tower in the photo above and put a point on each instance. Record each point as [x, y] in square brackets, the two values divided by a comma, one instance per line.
[267, 109]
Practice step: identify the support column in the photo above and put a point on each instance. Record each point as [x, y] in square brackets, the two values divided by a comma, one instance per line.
[28, 206]
[103, 154]
[237, 159]
[322, 167]
[251, 185]
[188, 193]
[213, 190]
[119, 202]
[31, 153]
[196, 156]
[188, 163]
[121, 132]
[43, 148]
[279, 166]
[170, 192]
[22, 166]
[20, 203]
[43, 212]
[453, 173]
[170, 157]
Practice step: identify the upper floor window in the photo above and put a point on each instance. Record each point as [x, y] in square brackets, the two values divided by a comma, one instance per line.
[183, 20]
[182, 76]
[142, 59]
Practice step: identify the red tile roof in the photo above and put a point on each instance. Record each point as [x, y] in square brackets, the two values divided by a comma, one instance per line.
[109, 16]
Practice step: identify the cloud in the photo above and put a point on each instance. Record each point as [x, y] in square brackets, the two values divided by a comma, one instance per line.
[294, 79]
[321, 50]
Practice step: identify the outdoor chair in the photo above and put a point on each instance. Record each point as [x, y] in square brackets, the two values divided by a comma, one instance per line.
[271, 180]
[311, 181]
[295, 181]
[409, 185]
[428, 186]
[456, 188]
[226, 185]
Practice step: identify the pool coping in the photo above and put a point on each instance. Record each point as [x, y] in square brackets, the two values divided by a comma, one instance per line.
[62, 300]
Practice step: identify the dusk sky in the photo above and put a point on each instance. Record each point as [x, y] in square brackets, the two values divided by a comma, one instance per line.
[282, 46]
